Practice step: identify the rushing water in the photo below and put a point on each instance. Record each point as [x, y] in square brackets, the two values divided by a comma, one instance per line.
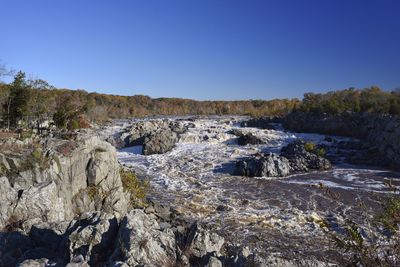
[279, 213]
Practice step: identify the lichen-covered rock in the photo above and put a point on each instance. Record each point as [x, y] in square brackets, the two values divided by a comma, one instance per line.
[214, 262]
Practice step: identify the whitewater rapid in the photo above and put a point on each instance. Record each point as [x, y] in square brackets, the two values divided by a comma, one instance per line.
[196, 178]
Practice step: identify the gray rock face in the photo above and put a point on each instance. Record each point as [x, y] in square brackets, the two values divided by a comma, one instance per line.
[75, 180]
[72, 212]
[142, 242]
[92, 240]
[99, 239]
[293, 158]
[160, 142]
[203, 242]
[156, 136]
[84, 242]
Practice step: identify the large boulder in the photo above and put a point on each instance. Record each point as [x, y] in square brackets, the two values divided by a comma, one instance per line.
[249, 139]
[302, 160]
[294, 158]
[160, 142]
[270, 165]
[156, 136]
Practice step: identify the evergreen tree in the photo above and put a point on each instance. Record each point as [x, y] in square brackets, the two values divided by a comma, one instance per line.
[16, 106]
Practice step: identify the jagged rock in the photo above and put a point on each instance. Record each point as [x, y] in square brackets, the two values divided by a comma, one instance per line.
[249, 138]
[159, 142]
[293, 158]
[245, 138]
[43, 262]
[141, 242]
[301, 160]
[270, 165]
[204, 242]
[93, 238]
[156, 136]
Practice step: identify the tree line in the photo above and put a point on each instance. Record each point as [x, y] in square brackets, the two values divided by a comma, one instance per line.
[26, 102]
[33, 102]
[368, 100]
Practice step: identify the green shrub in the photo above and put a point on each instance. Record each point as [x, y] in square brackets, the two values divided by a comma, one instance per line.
[312, 148]
[60, 119]
[309, 146]
[73, 125]
[136, 188]
[92, 192]
[25, 135]
[320, 152]
[390, 217]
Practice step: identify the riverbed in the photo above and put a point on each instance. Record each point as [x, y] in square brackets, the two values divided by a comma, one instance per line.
[279, 215]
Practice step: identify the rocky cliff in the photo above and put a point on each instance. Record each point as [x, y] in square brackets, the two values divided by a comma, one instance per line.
[62, 203]
[380, 132]
[59, 179]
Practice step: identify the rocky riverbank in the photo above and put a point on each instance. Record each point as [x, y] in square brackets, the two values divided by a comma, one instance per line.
[381, 133]
[63, 203]
[273, 216]
[65, 198]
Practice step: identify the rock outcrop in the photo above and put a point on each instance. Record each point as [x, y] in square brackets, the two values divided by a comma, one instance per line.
[270, 165]
[294, 158]
[67, 208]
[156, 136]
[380, 132]
[140, 238]
[301, 160]
[60, 181]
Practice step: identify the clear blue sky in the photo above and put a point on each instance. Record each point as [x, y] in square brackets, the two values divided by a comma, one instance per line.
[204, 49]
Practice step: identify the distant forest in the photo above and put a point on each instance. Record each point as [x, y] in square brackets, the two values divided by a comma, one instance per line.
[36, 100]
[368, 100]
[25, 101]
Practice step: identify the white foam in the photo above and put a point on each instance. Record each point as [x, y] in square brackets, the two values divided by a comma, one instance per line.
[193, 174]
